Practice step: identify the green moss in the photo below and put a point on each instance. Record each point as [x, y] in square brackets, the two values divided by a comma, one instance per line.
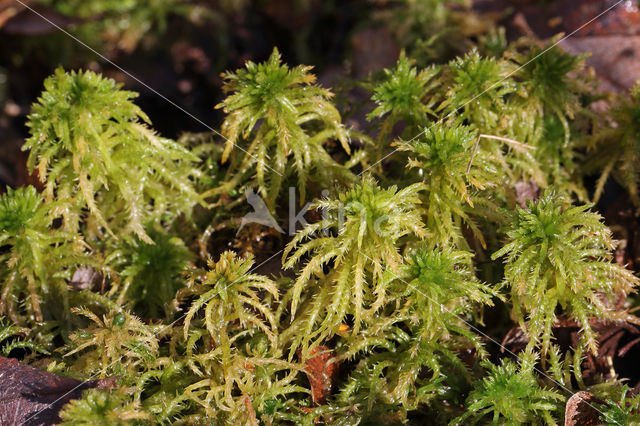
[92, 149]
[511, 394]
[377, 313]
[152, 273]
[558, 256]
[368, 222]
[102, 408]
[39, 259]
[119, 344]
[228, 292]
[403, 94]
[11, 338]
[623, 410]
[285, 120]
[454, 172]
[621, 162]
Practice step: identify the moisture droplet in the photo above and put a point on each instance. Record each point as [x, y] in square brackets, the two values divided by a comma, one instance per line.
[118, 320]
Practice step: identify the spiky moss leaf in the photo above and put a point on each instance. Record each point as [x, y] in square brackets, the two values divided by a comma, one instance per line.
[242, 389]
[153, 272]
[477, 90]
[97, 407]
[12, 337]
[440, 293]
[454, 172]
[410, 353]
[286, 120]
[232, 346]
[440, 280]
[623, 410]
[559, 161]
[551, 86]
[559, 256]
[120, 344]
[510, 393]
[404, 95]
[378, 389]
[91, 147]
[18, 210]
[479, 93]
[38, 260]
[547, 77]
[161, 389]
[403, 92]
[233, 300]
[368, 223]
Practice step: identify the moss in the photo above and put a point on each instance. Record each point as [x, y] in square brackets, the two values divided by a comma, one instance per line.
[511, 393]
[383, 280]
[152, 273]
[369, 223]
[286, 121]
[38, 259]
[559, 257]
[93, 150]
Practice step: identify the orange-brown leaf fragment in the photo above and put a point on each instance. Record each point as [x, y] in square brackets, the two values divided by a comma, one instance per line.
[321, 372]
[580, 409]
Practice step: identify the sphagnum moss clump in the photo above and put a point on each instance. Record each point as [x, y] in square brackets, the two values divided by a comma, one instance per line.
[511, 393]
[103, 408]
[11, 338]
[37, 260]
[478, 90]
[404, 95]
[454, 175]
[151, 273]
[369, 223]
[438, 279]
[121, 343]
[621, 162]
[278, 122]
[559, 256]
[378, 312]
[228, 293]
[93, 149]
[547, 86]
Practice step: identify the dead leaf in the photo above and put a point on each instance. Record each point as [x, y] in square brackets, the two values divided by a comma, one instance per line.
[33, 397]
[321, 373]
[579, 410]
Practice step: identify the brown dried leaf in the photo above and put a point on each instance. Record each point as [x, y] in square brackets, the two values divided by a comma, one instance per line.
[580, 411]
[33, 397]
[321, 373]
